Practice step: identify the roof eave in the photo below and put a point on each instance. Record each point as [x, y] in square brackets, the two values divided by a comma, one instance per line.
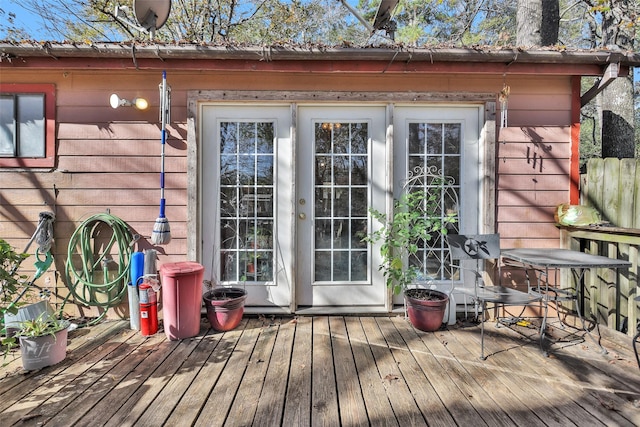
[281, 53]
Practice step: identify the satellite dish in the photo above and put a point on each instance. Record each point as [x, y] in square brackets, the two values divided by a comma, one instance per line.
[151, 14]
[383, 20]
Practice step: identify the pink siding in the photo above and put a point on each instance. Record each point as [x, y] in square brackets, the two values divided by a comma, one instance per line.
[110, 159]
[533, 166]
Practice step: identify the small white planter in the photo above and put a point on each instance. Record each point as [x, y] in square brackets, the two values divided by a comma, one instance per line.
[43, 351]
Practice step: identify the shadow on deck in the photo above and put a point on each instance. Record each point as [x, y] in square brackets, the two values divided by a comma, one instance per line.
[348, 371]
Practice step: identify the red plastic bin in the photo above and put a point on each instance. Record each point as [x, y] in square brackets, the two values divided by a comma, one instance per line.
[181, 298]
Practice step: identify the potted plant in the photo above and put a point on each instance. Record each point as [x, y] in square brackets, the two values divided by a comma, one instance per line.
[250, 258]
[416, 219]
[13, 286]
[225, 307]
[259, 237]
[10, 280]
[43, 341]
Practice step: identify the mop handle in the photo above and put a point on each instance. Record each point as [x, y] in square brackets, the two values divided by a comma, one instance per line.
[163, 116]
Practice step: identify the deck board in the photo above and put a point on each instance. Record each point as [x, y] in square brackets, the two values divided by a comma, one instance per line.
[544, 378]
[97, 396]
[70, 385]
[197, 395]
[457, 404]
[502, 384]
[298, 396]
[373, 391]
[352, 409]
[271, 402]
[326, 370]
[324, 396]
[224, 391]
[253, 381]
[402, 402]
[158, 410]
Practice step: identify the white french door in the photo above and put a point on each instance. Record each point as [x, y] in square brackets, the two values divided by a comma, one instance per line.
[447, 141]
[247, 186]
[285, 215]
[341, 172]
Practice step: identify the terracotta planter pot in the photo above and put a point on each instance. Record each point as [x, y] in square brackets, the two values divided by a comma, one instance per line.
[40, 352]
[225, 307]
[426, 314]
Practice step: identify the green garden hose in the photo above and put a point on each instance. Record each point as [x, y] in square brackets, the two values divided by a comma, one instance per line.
[97, 272]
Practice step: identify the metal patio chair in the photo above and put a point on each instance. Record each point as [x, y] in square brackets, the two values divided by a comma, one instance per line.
[481, 248]
[636, 338]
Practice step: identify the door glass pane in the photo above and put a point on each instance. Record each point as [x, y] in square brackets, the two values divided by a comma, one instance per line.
[341, 162]
[436, 148]
[246, 201]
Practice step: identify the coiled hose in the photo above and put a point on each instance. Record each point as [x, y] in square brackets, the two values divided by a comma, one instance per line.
[93, 277]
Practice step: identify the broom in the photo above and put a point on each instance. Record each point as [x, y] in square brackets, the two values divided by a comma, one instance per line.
[161, 234]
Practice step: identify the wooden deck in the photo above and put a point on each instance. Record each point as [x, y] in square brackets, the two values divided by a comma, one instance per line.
[332, 371]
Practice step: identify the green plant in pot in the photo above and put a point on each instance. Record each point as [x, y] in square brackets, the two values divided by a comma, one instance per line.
[416, 219]
[10, 280]
[43, 341]
[14, 289]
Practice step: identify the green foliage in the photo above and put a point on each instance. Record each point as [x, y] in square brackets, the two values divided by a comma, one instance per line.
[260, 22]
[44, 324]
[277, 22]
[9, 278]
[415, 220]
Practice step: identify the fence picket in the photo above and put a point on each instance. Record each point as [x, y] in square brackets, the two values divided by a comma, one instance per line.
[613, 187]
[595, 173]
[626, 215]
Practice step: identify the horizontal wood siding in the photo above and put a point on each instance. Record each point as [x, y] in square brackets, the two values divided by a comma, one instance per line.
[533, 178]
[109, 160]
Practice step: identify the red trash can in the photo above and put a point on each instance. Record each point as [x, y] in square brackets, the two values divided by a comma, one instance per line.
[181, 298]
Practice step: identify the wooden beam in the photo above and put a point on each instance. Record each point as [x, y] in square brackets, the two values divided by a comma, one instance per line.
[610, 74]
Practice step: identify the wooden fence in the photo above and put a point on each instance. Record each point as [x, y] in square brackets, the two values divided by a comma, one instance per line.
[612, 186]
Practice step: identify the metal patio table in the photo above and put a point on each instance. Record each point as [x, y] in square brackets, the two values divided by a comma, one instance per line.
[576, 261]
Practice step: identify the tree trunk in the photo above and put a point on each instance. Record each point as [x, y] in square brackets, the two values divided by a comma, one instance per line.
[537, 22]
[618, 135]
[550, 25]
[618, 138]
[529, 23]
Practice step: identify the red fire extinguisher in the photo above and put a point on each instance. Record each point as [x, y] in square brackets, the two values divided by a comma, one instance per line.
[148, 309]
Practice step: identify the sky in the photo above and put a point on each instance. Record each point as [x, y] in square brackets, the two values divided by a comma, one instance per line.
[31, 22]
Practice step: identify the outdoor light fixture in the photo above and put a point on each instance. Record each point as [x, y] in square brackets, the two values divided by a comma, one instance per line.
[140, 103]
